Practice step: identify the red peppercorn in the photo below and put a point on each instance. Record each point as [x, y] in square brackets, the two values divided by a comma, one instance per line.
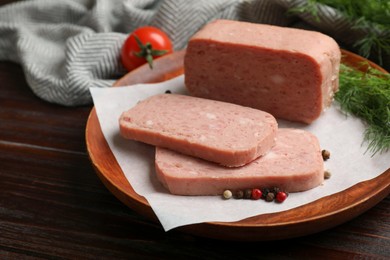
[256, 194]
[281, 196]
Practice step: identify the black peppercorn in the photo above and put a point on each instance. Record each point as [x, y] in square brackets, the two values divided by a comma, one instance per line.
[239, 194]
[275, 190]
[168, 91]
[325, 154]
[248, 194]
[327, 174]
[265, 192]
[270, 197]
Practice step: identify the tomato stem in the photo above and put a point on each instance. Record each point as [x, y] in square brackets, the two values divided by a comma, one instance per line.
[147, 51]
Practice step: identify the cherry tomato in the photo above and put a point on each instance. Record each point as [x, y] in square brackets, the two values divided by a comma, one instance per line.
[143, 45]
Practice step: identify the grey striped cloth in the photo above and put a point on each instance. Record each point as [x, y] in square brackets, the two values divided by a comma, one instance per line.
[65, 47]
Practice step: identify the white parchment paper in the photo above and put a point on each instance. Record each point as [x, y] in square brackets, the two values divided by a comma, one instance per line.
[341, 135]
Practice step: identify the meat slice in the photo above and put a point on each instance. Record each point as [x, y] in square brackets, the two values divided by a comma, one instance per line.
[293, 164]
[290, 73]
[220, 132]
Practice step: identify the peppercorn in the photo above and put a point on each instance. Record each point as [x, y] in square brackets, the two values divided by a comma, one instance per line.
[275, 190]
[281, 196]
[327, 175]
[247, 193]
[239, 194]
[270, 197]
[168, 91]
[227, 194]
[265, 192]
[256, 194]
[325, 154]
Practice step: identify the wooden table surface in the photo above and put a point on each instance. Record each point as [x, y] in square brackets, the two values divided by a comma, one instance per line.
[53, 205]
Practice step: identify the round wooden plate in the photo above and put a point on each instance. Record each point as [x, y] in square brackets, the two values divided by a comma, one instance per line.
[307, 219]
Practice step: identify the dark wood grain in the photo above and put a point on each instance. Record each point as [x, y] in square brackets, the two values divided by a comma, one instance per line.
[53, 205]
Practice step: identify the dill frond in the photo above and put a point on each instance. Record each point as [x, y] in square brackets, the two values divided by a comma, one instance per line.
[310, 7]
[367, 96]
[372, 17]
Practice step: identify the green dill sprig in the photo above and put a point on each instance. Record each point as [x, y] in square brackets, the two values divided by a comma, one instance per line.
[373, 17]
[367, 96]
[310, 7]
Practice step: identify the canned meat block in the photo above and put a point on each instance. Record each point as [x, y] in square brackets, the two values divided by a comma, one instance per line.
[290, 73]
[294, 164]
[220, 132]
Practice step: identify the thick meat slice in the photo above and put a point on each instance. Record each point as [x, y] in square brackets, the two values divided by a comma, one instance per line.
[290, 73]
[294, 164]
[220, 132]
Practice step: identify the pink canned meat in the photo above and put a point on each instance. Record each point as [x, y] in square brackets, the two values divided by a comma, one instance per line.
[294, 164]
[290, 73]
[220, 132]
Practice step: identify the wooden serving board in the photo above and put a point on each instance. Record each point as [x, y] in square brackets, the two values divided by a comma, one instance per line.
[314, 217]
